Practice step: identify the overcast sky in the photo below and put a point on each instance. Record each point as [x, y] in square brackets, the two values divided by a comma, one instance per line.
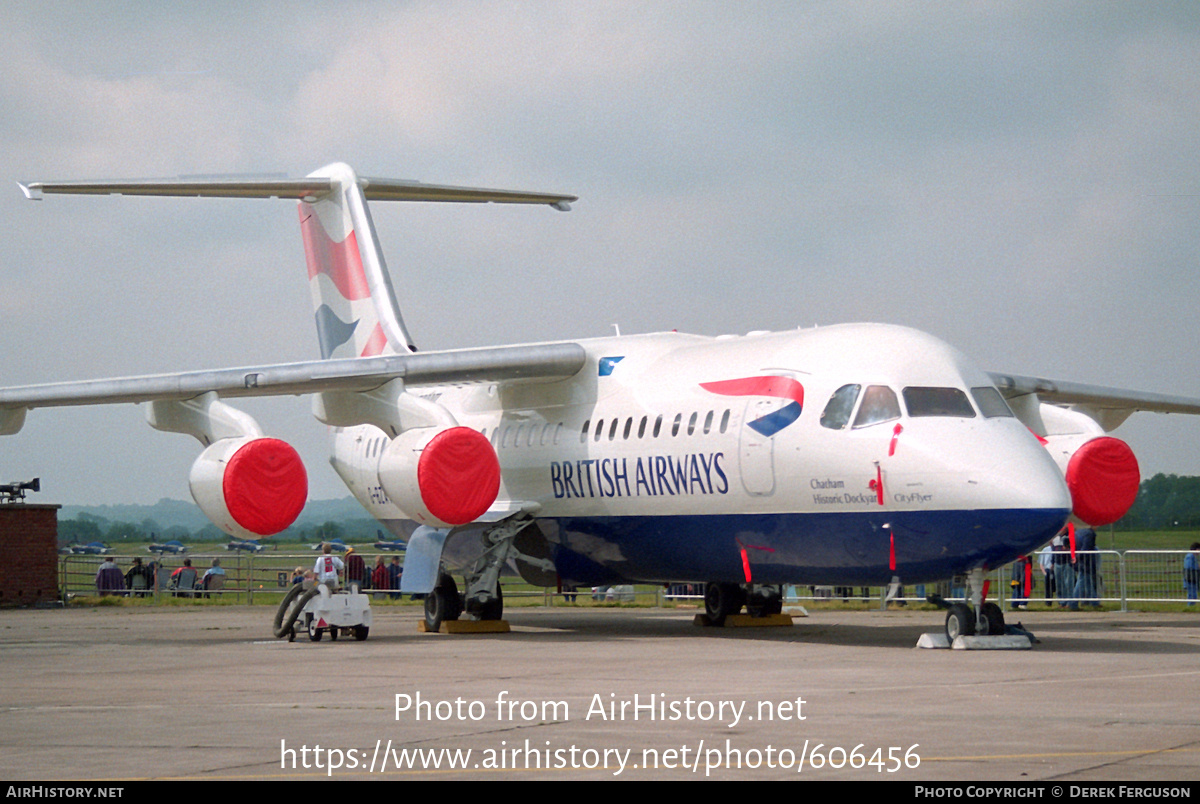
[1019, 179]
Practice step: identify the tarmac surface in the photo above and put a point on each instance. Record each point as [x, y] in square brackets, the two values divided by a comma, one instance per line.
[119, 693]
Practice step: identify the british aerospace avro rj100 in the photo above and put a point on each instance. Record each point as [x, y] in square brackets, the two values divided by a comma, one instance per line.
[852, 454]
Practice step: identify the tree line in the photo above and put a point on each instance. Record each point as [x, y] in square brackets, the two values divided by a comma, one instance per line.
[1165, 502]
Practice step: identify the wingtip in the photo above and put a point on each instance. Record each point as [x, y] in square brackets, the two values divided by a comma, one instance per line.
[31, 191]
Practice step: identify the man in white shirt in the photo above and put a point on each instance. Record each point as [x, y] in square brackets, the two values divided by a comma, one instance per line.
[328, 568]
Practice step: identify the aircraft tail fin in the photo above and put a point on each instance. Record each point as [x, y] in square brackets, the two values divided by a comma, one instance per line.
[356, 311]
[357, 314]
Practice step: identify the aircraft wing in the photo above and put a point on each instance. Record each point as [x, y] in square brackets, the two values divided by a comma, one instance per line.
[534, 363]
[1109, 406]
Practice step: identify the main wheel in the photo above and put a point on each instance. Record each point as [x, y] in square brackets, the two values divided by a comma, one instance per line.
[721, 600]
[992, 619]
[765, 605]
[960, 621]
[494, 608]
[442, 604]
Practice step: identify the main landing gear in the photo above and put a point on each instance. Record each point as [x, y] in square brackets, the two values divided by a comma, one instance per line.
[723, 599]
[446, 604]
[977, 618]
[483, 598]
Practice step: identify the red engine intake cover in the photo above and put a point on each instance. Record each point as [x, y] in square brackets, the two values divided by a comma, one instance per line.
[265, 486]
[1103, 477]
[459, 475]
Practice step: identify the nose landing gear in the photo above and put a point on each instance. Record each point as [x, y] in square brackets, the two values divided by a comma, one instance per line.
[977, 618]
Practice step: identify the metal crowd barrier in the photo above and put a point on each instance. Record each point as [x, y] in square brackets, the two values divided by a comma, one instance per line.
[1121, 578]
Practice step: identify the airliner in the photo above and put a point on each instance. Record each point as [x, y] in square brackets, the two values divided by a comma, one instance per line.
[855, 454]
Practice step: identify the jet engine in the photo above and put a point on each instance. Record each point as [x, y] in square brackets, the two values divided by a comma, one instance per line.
[441, 476]
[1101, 471]
[250, 486]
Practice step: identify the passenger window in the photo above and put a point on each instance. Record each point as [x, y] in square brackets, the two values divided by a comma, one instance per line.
[517, 437]
[708, 423]
[725, 421]
[879, 404]
[495, 433]
[583, 433]
[675, 425]
[658, 425]
[950, 402]
[628, 428]
[990, 403]
[557, 433]
[692, 423]
[599, 428]
[642, 426]
[840, 406]
[612, 431]
[504, 438]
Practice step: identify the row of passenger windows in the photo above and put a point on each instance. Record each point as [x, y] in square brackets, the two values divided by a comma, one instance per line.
[880, 404]
[530, 435]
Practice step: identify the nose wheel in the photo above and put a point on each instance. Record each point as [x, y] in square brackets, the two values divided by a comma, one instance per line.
[960, 621]
[977, 618]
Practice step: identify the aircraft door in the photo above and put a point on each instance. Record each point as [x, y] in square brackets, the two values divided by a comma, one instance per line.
[756, 451]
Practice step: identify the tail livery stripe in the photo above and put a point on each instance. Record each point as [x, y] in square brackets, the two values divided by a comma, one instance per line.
[779, 387]
[341, 262]
[375, 343]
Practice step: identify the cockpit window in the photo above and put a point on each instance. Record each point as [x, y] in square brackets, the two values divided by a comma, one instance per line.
[938, 402]
[840, 406]
[879, 404]
[990, 403]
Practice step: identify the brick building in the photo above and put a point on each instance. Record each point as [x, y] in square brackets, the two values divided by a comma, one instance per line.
[28, 554]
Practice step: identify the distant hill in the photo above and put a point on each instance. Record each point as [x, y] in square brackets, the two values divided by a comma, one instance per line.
[179, 515]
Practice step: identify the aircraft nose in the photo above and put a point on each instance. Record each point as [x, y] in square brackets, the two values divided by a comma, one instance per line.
[998, 466]
[1023, 473]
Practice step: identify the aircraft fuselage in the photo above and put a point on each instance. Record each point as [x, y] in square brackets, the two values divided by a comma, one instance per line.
[846, 454]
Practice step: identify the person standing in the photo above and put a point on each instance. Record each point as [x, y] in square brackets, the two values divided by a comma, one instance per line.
[1046, 567]
[1191, 573]
[394, 573]
[356, 570]
[1064, 575]
[380, 578]
[1087, 564]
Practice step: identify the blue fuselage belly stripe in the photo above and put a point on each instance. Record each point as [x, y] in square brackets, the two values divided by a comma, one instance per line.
[843, 548]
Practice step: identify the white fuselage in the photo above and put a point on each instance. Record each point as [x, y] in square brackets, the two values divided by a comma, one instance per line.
[655, 463]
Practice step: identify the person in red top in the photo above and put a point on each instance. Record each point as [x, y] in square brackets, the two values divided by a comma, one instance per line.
[380, 578]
